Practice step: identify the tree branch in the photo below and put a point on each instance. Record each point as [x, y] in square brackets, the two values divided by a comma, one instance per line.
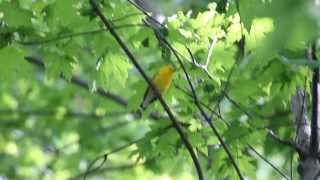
[282, 141]
[141, 71]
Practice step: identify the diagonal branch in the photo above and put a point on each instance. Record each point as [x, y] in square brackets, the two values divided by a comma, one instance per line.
[288, 143]
[270, 163]
[141, 71]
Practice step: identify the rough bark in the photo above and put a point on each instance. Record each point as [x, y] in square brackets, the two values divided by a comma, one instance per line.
[309, 165]
[307, 131]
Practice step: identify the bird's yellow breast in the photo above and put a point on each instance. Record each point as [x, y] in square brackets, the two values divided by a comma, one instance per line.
[163, 79]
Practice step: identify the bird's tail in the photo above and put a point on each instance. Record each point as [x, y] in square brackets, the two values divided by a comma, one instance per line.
[144, 104]
[147, 100]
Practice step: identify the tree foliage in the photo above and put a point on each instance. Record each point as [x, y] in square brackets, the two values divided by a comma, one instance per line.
[69, 93]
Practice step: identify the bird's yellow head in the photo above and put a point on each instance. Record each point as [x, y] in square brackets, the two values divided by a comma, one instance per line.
[167, 70]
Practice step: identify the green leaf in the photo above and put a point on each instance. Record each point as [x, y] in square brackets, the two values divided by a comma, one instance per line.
[248, 10]
[12, 63]
[15, 16]
[223, 57]
[258, 32]
[114, 70]
[66, 14]
[57, 65]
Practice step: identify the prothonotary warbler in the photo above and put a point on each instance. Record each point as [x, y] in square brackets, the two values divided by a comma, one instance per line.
[161, 81]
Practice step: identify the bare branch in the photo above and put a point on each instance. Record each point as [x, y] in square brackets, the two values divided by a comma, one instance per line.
[213, 43]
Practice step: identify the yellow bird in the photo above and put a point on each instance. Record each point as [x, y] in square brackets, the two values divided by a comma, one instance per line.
[161, 81]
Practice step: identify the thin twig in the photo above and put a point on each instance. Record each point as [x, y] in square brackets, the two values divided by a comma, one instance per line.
[268, 162]
[289, 143]
[212, 45]
[146, 78]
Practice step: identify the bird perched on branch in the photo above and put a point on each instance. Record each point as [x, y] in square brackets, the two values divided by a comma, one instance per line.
[161, 81]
